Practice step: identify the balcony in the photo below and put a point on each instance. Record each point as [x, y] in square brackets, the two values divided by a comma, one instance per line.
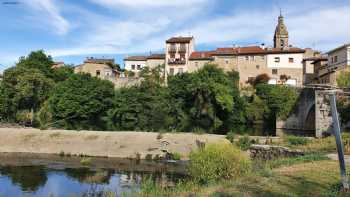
[176, 61]
[172, 49]
[182, 49]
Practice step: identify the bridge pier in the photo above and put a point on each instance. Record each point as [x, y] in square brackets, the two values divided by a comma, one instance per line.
[311, 116]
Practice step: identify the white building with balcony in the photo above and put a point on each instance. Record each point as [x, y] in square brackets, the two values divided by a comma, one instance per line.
[177, 54]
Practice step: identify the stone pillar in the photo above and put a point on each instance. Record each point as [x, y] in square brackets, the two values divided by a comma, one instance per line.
[323, 116]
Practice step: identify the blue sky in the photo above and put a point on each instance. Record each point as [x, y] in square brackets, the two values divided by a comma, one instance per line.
[71, 30]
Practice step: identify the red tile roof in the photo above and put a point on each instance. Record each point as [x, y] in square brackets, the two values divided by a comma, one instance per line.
[255, 50]
[179, 40]
[156, 56]
[202, 55]
[136, 58]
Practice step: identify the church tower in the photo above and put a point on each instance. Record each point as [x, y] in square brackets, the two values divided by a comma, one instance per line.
[281, 34]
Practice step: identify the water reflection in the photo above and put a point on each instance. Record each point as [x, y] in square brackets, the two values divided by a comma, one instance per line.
[40, 181]
[28, 178]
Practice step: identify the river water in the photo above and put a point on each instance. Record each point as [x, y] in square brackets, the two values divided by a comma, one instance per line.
[52, 176]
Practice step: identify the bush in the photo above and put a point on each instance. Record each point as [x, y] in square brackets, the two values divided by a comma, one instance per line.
[295, 140]
[244, 143]
[230, 136]
[218, 161]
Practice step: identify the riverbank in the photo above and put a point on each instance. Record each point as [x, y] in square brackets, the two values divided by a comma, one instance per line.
[139, 145]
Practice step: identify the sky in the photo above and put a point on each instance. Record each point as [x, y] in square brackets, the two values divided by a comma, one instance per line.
[71, 30]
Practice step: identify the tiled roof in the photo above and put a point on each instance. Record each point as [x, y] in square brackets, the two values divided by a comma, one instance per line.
[136, 58]
[179, 40]
[156, 56]
[322, 59]
[256, 50]
[202, 55]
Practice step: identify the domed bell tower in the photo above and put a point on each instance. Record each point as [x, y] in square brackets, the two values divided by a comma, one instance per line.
[281, 34]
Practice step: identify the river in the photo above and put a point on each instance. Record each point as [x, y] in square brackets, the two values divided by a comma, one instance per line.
[54, 176]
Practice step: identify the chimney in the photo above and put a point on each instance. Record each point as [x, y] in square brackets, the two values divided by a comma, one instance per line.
[262, 46]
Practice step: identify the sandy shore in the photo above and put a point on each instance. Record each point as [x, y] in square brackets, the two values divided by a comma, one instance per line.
[100, 144]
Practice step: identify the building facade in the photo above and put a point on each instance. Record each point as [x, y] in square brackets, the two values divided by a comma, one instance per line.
[283, 63]
[177, 54]
[101, 68]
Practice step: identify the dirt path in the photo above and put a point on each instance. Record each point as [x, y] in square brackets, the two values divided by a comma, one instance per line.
[101, 144]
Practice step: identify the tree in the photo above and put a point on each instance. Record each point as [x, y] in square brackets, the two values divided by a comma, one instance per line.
[260, 79]
[23, 89]
[81, 101]
[37, 60]
[280, 99]
[343, 80]
[207, 96]
[144, 107]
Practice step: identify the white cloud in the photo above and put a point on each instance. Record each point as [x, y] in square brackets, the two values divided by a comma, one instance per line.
[48, 14]
[325, 26]
[147, 3]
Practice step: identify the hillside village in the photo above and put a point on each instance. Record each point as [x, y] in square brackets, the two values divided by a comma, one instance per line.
[282, 64]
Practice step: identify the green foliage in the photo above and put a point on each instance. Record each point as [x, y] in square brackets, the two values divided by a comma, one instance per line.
[296, 160]
[343, 80]
[23, 89]
[218, 161]
[244, 143]
[206, 97]
[37, 60]
[295, 140]
[44, 116]
[280, 99]
[81, 101]
[257, 110]
[230, 136]
[343, 105]
[63, 73]
[24, 117]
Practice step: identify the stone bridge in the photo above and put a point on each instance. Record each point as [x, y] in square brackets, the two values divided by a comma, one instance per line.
[312, 114]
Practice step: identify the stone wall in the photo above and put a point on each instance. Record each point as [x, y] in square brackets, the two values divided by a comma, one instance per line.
[266, 152]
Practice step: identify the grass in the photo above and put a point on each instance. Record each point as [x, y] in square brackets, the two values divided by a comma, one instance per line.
[85, 161]
[317, 178]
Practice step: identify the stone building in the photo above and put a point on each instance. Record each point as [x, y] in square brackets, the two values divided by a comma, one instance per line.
[101, 68]
[338, 61]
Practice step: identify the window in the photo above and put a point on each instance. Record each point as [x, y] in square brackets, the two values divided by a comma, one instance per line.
[335, 59]
[262, 57]
[226, 61]
[196, 64]
[247, 58]
[277, 59]
[98, 72]
[172, 55]
[133, 67]
[171, 72]
[182, 56]
[257, 66]
[180, 71]
[274, 71]
[291, 60]
[252, 58]
[138, 67]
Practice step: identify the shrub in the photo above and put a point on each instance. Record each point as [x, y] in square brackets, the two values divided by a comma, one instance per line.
[244, 143]
[295, 140]
[218, 161]
[230, 136]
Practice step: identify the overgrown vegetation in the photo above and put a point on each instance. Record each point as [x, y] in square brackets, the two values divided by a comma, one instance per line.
[218, 162]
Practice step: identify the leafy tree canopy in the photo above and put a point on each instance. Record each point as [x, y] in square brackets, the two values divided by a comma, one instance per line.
[81, 101]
